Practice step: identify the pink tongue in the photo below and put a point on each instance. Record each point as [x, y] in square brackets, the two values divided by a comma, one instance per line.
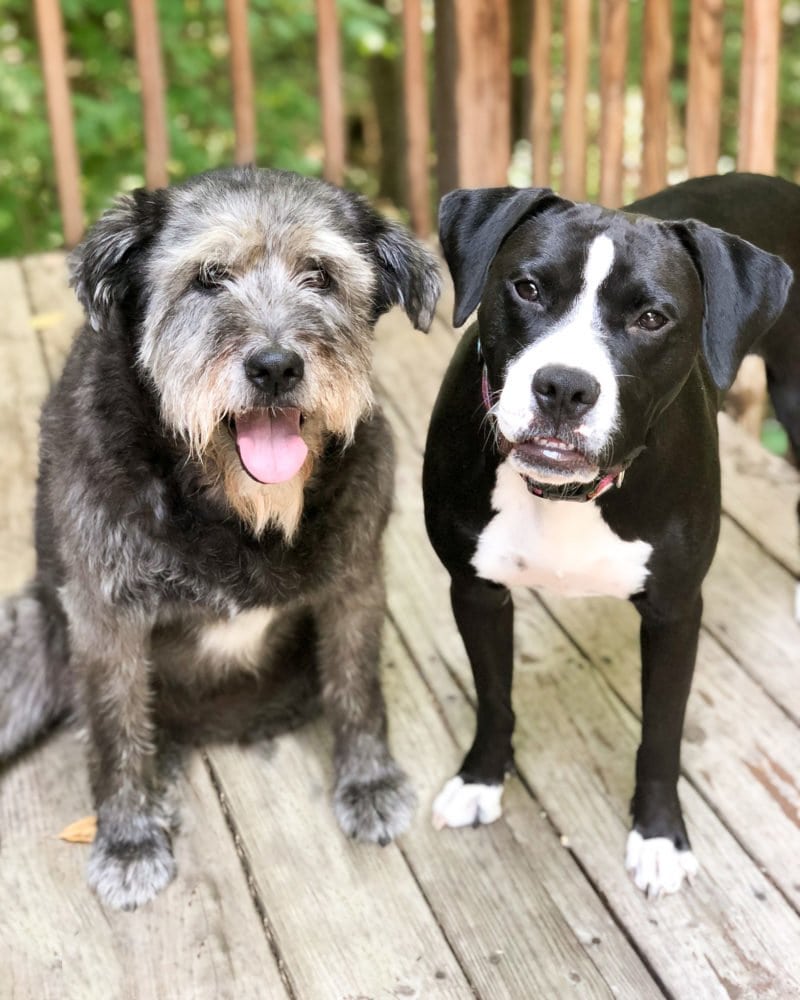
[270, 445]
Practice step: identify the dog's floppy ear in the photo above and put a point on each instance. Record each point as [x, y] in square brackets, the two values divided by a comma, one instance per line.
[100, 266]
[744, 292]
[408, 275]
[472, 225]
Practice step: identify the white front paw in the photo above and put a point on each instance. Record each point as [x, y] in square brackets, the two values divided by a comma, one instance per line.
[656, 864]
[466, 804]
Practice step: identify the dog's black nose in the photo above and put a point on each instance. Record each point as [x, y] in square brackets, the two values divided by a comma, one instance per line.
[274, 370]
[565, 392]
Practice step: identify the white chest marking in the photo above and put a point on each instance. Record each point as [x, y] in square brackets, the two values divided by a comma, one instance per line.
[238, 641]
[556, 545]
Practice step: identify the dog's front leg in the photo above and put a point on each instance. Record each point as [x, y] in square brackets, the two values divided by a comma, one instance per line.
[373, 799]
[658, 853]
[484, 613]
[131, 859]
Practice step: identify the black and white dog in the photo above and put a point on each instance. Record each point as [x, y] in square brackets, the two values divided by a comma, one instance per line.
[573, 445]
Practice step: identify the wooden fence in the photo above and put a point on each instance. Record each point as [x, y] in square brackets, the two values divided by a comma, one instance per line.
[471, 77]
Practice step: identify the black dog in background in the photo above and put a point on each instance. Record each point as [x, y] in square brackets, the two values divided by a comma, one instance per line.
[573, 445]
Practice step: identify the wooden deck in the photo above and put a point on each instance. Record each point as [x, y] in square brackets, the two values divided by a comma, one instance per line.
[271, 902]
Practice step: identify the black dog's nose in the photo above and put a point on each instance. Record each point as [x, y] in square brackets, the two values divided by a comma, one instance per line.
[565, 392]
[274, 370]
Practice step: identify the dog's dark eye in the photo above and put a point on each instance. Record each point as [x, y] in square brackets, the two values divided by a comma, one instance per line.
[316, 276]
[211, 277]
[651, 320]
[527, 290]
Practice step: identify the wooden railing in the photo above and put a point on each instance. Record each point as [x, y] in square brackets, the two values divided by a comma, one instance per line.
[472, 94]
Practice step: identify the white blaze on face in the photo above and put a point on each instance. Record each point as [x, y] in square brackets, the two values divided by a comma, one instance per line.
[575, 342]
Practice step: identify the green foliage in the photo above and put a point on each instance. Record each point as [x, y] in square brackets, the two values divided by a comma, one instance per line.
[106, 102]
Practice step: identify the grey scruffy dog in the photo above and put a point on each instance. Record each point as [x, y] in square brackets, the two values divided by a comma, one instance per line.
[211, 456]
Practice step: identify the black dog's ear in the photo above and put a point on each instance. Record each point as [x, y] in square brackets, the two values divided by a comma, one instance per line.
[472, 225]
[744, 291]
[408, 275]
[100, 266]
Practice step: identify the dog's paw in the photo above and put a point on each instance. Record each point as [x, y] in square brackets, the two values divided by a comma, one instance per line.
[656, 865]
[463, 803]
[377, 809]
[127, 874]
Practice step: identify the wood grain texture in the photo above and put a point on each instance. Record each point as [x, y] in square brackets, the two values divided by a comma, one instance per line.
[56, 314]
[540, 126]
[329, 69]
[473, 86]
[348, 919]
[759, 492]
[657, 43]
[705, 87]
[22, 390]
[758, 88]
[202, 938]
[577, 25]
[241, 69]
[147, 43]
[613, 64]
[417, 118]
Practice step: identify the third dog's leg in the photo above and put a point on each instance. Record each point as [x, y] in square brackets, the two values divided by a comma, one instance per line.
[658, 853]
[131, 859]
[484, 613]
[373, 800]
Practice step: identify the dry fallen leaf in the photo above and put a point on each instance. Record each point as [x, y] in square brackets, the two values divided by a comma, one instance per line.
[82, 831]
[43, 321]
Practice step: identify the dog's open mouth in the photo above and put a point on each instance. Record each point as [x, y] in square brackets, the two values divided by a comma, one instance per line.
[551, 455]
[269, 444]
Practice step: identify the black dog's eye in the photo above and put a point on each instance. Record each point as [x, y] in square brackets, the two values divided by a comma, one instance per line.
[651, 320]
[211, 277]
[526, 290]
[315, 276]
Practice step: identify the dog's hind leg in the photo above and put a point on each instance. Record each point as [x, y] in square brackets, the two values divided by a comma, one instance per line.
[373, 799]
[35, 688]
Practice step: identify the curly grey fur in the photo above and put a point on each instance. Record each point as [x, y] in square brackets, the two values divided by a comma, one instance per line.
[150, 534]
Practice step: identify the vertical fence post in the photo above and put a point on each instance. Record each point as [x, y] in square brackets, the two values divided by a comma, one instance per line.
[613, 61]
[758, 118]
[417, 118]
[577, 15]
[473, 92]
[147, 42]
[758, 93]
[52, 50]
[705, 87]
[657, 44]
[244, 112]
[541, 117]
[329, 66]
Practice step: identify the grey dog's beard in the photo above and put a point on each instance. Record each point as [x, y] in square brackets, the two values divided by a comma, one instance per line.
[260, 505]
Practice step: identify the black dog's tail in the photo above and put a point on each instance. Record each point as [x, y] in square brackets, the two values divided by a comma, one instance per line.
[35, 690]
